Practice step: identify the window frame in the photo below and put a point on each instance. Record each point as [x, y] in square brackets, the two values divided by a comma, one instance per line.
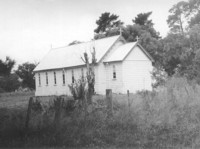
[82, 73]
[39, 79]
[114, 74]
[73, 79]
[55, 80]
[63, 77]
[47, 80]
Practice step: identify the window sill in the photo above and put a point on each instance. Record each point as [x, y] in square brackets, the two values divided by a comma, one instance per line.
[63, 85]
[114, 79]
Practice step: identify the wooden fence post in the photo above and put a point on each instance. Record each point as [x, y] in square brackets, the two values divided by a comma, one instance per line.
[58, 109]
[129, 104]
[28, 113]
[109, 102]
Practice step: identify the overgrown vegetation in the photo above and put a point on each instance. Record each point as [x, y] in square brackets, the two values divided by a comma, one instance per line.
[82, 89]
[165, 119]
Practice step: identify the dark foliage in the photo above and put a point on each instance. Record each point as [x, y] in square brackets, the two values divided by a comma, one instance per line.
[9, 83]
[25, 72]
[74, 42]
[107, 22]
[6, 66]
[142, 19]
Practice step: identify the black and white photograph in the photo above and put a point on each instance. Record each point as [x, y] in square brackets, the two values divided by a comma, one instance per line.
[100, 74]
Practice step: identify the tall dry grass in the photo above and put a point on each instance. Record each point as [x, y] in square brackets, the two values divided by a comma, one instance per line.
[168, 118]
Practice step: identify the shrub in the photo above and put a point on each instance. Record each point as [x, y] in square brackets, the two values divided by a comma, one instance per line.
[9, 83]
[170, 116]
[78, 89]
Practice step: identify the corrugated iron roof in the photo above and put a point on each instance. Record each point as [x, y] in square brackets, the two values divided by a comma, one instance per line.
[70, 56]
[121, 52]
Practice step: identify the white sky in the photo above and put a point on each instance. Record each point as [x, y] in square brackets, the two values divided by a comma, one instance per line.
[28, 28]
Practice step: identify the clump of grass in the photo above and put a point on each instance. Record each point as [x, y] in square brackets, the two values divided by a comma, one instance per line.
[11, 127]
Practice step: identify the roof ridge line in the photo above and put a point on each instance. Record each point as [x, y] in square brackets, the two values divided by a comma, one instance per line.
[83, 42]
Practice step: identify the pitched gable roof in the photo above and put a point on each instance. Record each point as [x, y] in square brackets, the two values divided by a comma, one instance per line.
[70, 56]
[121, 52]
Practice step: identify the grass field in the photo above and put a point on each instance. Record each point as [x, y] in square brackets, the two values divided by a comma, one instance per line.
[15, 100]
[168, 119]
[20, 99]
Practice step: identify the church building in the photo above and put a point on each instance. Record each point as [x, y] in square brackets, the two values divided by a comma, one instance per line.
[121, 66]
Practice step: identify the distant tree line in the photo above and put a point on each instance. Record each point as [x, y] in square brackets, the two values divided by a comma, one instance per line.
[11, 80]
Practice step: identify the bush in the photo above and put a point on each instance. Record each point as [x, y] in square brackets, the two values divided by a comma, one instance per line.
[171, 115]
[78, 89]
[9, 83]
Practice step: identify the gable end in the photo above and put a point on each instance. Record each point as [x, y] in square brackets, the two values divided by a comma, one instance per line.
[108, 51]
[142, 49]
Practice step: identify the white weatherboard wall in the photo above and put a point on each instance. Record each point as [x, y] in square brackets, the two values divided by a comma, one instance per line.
[132, 74]
[136, 71]
[59, 88]
[101, 81]
[116, 84]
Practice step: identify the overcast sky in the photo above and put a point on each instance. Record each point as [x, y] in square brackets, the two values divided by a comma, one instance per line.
[28, 28]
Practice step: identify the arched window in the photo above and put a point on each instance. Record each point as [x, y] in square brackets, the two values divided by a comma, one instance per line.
[39, 79]
[47, 81]
[63, 76]
[114, 72]
[73, 80]
[54, 77]
[82, 73]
